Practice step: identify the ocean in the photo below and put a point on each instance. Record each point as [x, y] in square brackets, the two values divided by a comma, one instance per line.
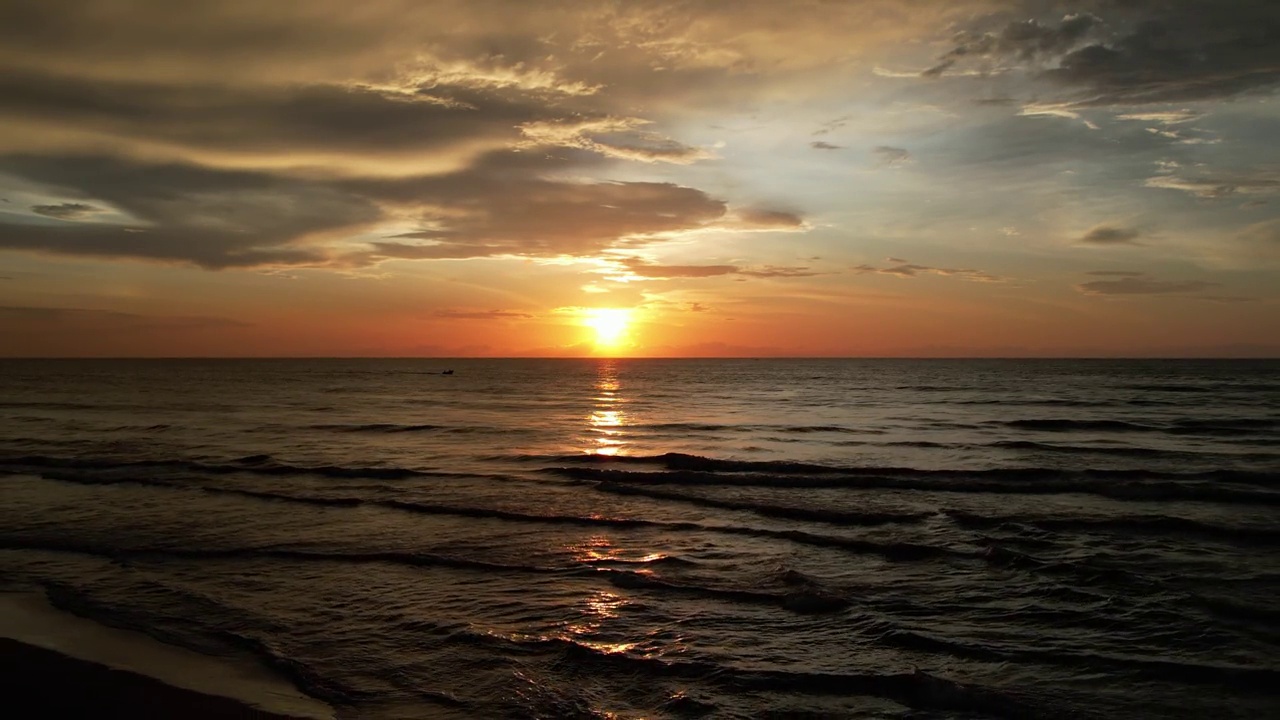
[670, 538]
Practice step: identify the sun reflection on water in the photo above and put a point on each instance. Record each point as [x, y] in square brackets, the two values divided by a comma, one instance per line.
[605, 425]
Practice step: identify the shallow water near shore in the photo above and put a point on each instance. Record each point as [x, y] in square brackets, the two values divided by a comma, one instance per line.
[670, 538]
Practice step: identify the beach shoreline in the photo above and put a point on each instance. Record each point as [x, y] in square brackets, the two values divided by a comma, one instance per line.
[62, 665]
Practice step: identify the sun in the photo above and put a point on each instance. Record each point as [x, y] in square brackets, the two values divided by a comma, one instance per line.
[609, 324]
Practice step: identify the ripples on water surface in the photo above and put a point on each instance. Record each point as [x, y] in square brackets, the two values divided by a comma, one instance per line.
[718, 538]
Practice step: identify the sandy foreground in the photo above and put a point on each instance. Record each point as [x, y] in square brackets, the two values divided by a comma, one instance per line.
[53, 664]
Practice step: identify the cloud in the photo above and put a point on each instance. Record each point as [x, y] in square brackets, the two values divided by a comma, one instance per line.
[887, 156]
[346, 128]
[612, 137]
[483, 315]
[1025, 40]
[1114, 273]
[904, 269]
[643, 268]
[66, 211]
[217, 218]
[1110, 235]
[206, 217]
[1141, 284]
[779, 271]
[1164, 117]
[822, 145]
[1218, 184]
[1134, 52]
[1063, 110]
[511, 213]
[758, 219]
[1178, 51]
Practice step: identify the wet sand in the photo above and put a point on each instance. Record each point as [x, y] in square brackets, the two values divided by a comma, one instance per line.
[50, 684]
[55, 664]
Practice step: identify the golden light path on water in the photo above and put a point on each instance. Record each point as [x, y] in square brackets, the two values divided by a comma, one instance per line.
[601, 608]
[605, 425]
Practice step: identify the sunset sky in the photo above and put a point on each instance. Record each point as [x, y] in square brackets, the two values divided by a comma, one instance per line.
[648, 177]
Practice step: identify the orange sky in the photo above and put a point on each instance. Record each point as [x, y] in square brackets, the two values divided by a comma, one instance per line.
[657, 178]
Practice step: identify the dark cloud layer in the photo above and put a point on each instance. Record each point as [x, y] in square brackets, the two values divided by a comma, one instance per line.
[65, 211]
[505, 213]
[1131, 52]
[185, 213]
[1110, 235]
[1024, 40]
[241, 134]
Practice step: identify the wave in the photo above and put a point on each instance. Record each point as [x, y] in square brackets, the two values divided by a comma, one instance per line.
[1062, 425]
[898, 551]
[917, 690]
[378, 428]
[1121, 485]
[692, 427]
[1211, 387]
[804, 600]
[1158, 524]
[253, 464]
[419, 559]
[1224, 426]
[1156, 387]
[1147, 667]
[1224, 486]
[777, 511]
[1236, 609]
[1046, 402]
[816, 429]
[890, 550]
[734, 471]
[1081, 449]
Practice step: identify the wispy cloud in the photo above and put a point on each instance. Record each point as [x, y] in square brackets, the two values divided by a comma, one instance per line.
[903, 269]
[1130, 283]
[1164, 117]
[1218, 184]
[646, 269]
[620, 138]
[483, 315]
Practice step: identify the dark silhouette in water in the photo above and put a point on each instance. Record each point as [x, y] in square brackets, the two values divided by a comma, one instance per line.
[447, 372]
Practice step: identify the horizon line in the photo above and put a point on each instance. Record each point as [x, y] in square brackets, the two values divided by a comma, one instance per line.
[638, 357]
